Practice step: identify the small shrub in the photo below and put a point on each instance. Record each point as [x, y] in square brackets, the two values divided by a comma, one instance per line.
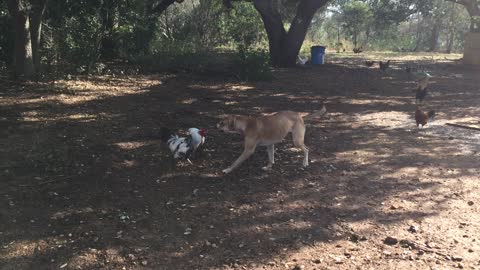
[251, 65]
[174, 62]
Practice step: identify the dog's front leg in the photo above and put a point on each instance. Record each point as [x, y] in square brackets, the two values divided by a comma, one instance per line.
[247, 152]
[271, 157]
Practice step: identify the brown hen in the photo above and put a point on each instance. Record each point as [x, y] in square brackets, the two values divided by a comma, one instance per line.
[423, 118]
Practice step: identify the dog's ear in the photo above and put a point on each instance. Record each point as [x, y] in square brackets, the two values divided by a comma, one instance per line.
[232, 119]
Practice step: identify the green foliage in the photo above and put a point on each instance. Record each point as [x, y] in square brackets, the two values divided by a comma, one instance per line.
[314, 32]
[189, 27]
[330, 31]
[356, 17]
[393, 38]
[243, 26]
[207, 25]
[175, 61]
[183, 37]
[6, 38]
[72, 35]
[387, 13]
[398, 25]
[79, 43]
[475, 24]
[188, 35]
[135, 30]
[252, 65]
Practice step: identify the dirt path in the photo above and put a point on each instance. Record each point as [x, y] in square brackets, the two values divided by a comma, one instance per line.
[85, 182]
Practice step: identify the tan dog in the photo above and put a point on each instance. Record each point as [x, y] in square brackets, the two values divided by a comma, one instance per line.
[268, 130]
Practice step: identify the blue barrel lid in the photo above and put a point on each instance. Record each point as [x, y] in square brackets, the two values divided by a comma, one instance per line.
[318, 49]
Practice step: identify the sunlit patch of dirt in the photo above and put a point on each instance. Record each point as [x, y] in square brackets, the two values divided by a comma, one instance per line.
[188, 101]
[388, 120]
[62, 214]
[17, 249]
[395, 56]
[131, 145]
[240, 87]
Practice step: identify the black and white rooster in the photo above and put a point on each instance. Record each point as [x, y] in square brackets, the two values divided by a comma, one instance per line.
[198, 137]
[302, 61]
[183, 147]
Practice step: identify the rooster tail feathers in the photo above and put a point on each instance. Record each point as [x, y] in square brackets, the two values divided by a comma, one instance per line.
[431, 114]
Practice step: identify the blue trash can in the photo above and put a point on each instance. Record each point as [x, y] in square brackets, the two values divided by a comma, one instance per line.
[318, 55]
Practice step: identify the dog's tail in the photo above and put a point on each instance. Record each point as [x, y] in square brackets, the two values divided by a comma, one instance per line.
[316, 114]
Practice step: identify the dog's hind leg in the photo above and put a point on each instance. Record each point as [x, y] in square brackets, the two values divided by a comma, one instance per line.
[305, 153]
[271, 156]
[298, 135]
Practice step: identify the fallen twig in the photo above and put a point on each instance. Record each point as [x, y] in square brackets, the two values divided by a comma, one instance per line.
[418, 246]
[43, 183]
[462, 126]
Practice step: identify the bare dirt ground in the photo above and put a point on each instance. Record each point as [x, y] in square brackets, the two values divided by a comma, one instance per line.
[85, 182]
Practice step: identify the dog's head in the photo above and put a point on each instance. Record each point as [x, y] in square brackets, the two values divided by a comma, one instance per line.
[228, 124]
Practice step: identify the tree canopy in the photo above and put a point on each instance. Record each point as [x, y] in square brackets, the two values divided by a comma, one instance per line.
[41, 36]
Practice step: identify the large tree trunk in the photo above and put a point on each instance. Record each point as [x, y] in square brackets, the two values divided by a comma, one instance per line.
[450, 42]
[438, 25]
[144, 33]
[274, 26]
[473, 8]
[367, 36]
[471, 49]
[306, 9]
[23, 59]
[108, 15]
[451, 29]
[284, 46]
[38, 9]
[434, 37]
[355, 40]
[418, 35]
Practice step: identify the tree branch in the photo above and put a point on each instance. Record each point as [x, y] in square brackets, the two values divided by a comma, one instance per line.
[461, 2]
[470, 5]
[162, 6]
[272, 21]
[228, 4]
[306, 9]
[13, 6]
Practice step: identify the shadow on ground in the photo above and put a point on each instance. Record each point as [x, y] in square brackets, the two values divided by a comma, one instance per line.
[86, 182]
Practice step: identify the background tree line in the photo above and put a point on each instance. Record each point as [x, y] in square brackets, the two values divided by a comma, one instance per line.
[43, 36]
[431, 25]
